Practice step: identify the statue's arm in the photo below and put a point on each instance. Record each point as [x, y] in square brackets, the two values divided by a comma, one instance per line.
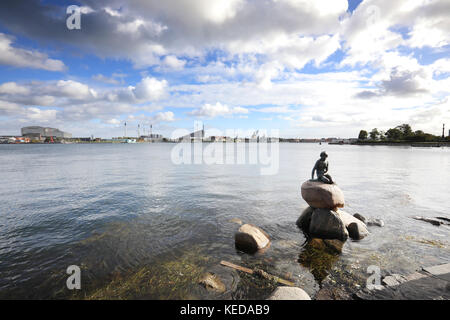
[313, 170]
[326, 167]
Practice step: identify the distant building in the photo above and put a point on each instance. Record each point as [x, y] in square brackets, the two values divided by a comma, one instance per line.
[36, 132]
[218, 138]
[343, 141]
[194, 136]
[13, 139]
[153, 137]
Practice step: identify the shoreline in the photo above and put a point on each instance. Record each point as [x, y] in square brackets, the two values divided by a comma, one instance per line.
[373, 143]
[359, 143]
[402, 143]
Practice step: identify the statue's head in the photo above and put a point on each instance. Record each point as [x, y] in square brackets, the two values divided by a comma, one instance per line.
[323, 155]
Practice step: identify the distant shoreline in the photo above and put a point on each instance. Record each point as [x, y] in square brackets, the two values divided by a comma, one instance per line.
[404, 143]
[367, 143]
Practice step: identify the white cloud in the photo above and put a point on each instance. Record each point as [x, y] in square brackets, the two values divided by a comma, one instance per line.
[101, 78]
[9, 108]
[149, 89]
[167, 116]
[148, 31]
[40, 115]
[173, 62]
[70, 101]
[72, 89]
[22, 58]
[113, 121]
[431, 25]
[278, 109]
[12, 88]
[216, 110]
[405, 82]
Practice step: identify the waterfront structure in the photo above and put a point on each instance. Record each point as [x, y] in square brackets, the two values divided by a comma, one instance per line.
[194, 136]
[14, 139]
[218, 138]
[36, 132]
[152, 137]
[343, 141]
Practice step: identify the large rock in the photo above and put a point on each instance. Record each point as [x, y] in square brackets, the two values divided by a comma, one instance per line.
[289, 293]
[304, 220]
[322, 195]
[326, 224]
[356, 228]
[250, 238]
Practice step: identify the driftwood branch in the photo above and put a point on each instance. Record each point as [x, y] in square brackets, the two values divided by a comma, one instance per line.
[258, 272]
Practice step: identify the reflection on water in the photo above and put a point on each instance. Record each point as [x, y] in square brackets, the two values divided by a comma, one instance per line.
[141, 227]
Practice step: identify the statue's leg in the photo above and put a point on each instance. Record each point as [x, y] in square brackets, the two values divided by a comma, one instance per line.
[329, 178]
[324, 179]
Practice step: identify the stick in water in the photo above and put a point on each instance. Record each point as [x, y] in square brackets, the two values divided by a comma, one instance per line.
[250, 271]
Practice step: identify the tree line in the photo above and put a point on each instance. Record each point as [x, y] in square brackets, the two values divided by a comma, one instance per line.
[402, 132]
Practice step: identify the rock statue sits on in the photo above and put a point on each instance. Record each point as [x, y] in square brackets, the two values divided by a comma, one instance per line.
[321, 169]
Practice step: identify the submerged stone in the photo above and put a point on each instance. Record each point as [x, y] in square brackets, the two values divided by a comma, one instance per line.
[212, 282]
[317, 243]
[332, 245]
[318, 258]
[236, 220]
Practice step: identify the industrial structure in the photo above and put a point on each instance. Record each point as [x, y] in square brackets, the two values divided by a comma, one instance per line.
[198, 135]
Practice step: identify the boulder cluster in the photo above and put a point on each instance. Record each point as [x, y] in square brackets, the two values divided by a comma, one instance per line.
[323, 218]
[324, 222]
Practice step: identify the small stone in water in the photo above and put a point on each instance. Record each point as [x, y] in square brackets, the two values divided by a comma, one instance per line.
[212, 281]
[375, 222]
[236, 220]
[390, 281]
[360, 217]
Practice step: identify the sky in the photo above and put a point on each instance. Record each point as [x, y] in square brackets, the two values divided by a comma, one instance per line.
[322, 68]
